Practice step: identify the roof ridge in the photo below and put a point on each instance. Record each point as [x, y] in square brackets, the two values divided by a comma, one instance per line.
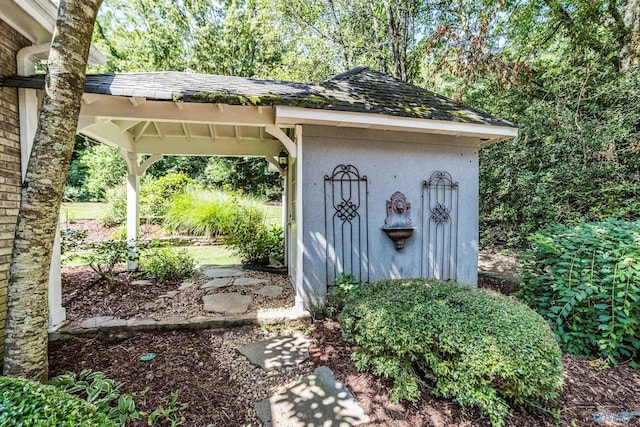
[354, 70]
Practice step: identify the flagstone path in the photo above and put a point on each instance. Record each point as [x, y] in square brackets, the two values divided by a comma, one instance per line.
[315, 400]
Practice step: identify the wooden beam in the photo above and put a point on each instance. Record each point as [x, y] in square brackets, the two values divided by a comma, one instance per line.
[282, 137]
[110, 134]
[141, 131]
[142, 168]
[180, 146]
[158, 131]
[185, 129]
[137, 101]
[89, 98]
[120, 108]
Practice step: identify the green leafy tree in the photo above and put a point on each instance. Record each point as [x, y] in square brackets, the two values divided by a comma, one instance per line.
[105, 169]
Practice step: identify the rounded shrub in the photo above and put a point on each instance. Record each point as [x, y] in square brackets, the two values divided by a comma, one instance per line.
[474, 346]
[162, 265]
[28, 404]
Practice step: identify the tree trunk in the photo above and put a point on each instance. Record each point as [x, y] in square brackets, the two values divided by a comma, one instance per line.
[27, 299]
[631, 51]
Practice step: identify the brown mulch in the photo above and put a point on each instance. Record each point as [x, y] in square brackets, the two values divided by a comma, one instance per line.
[588, 388]
[84, 296]
[506, 287]
[221, 387]
[203, 367]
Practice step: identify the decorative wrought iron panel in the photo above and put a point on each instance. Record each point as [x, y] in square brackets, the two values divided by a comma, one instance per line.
[346, 223]
[439, 225]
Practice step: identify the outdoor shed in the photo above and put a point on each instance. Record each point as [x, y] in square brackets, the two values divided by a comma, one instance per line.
[382, 175]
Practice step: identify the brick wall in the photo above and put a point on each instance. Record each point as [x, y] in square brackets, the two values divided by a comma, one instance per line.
[10, 43]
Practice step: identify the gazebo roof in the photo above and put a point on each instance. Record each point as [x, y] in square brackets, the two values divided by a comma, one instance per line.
[360, 90]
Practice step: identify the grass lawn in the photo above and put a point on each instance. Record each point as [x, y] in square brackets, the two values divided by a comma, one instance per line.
[84, 210]
[88, 210]
[213, 255]
[273, 214]
[204, 255]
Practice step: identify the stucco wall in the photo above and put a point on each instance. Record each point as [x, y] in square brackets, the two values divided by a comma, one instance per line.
[392, 161]
[10, 43]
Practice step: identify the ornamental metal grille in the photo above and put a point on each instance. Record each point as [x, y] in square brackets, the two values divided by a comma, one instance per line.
[346, 223]
[439, 224]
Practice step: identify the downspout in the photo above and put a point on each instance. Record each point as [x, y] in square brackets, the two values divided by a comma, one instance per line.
[26, 64]
[28, 105]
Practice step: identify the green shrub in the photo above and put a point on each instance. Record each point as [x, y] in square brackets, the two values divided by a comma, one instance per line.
[254, 241]
[100, 391]
[105, 256]
[585, 280]
[27, 404]
[162, 265]
[211, 213]
[338, 293]
[477, 347]
[116, 211]
[155, 194]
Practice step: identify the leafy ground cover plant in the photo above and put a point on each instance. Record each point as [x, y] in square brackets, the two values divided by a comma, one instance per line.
[585, 280]
[29, 404]
[102, 392]
[477, 347]
[162, 265]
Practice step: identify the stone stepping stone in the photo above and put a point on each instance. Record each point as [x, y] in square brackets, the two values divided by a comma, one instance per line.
[185, 285]
[277, 352]
[220, 282]
[222, 272]
[94, 322]
[142, 283]
[317, 400]
[248, 281]
[269, 291]
[230, 303]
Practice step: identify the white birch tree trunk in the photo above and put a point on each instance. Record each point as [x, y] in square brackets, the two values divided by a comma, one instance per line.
[27, 306]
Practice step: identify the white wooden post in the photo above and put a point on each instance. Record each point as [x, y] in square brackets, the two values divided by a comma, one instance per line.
[285, 219]
[133, 209]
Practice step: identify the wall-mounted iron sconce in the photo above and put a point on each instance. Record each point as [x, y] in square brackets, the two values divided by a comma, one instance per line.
[398, 225]
[283, 160]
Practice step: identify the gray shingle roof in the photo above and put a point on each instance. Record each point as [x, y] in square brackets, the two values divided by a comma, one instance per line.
[360, 90]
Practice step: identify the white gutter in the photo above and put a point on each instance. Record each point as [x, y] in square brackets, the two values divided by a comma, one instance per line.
[489, 134]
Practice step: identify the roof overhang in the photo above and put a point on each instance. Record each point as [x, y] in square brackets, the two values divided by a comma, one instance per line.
[36, 20]
[286, 116]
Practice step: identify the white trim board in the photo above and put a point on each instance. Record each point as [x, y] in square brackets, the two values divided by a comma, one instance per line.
[295, 116]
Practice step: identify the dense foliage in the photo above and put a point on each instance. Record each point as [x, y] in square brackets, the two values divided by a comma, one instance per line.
[577, 157]
[25, 403]
[586, 280]
[102, 392]
[477, 347]
[155, 197]
[251, 175]
[256, 242]
[162, 265]
[211, 213]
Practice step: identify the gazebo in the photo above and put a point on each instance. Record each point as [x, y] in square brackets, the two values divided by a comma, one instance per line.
[382, 175]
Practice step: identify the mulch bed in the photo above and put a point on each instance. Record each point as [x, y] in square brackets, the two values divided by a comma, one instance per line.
[85, 296]
[221, 386]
